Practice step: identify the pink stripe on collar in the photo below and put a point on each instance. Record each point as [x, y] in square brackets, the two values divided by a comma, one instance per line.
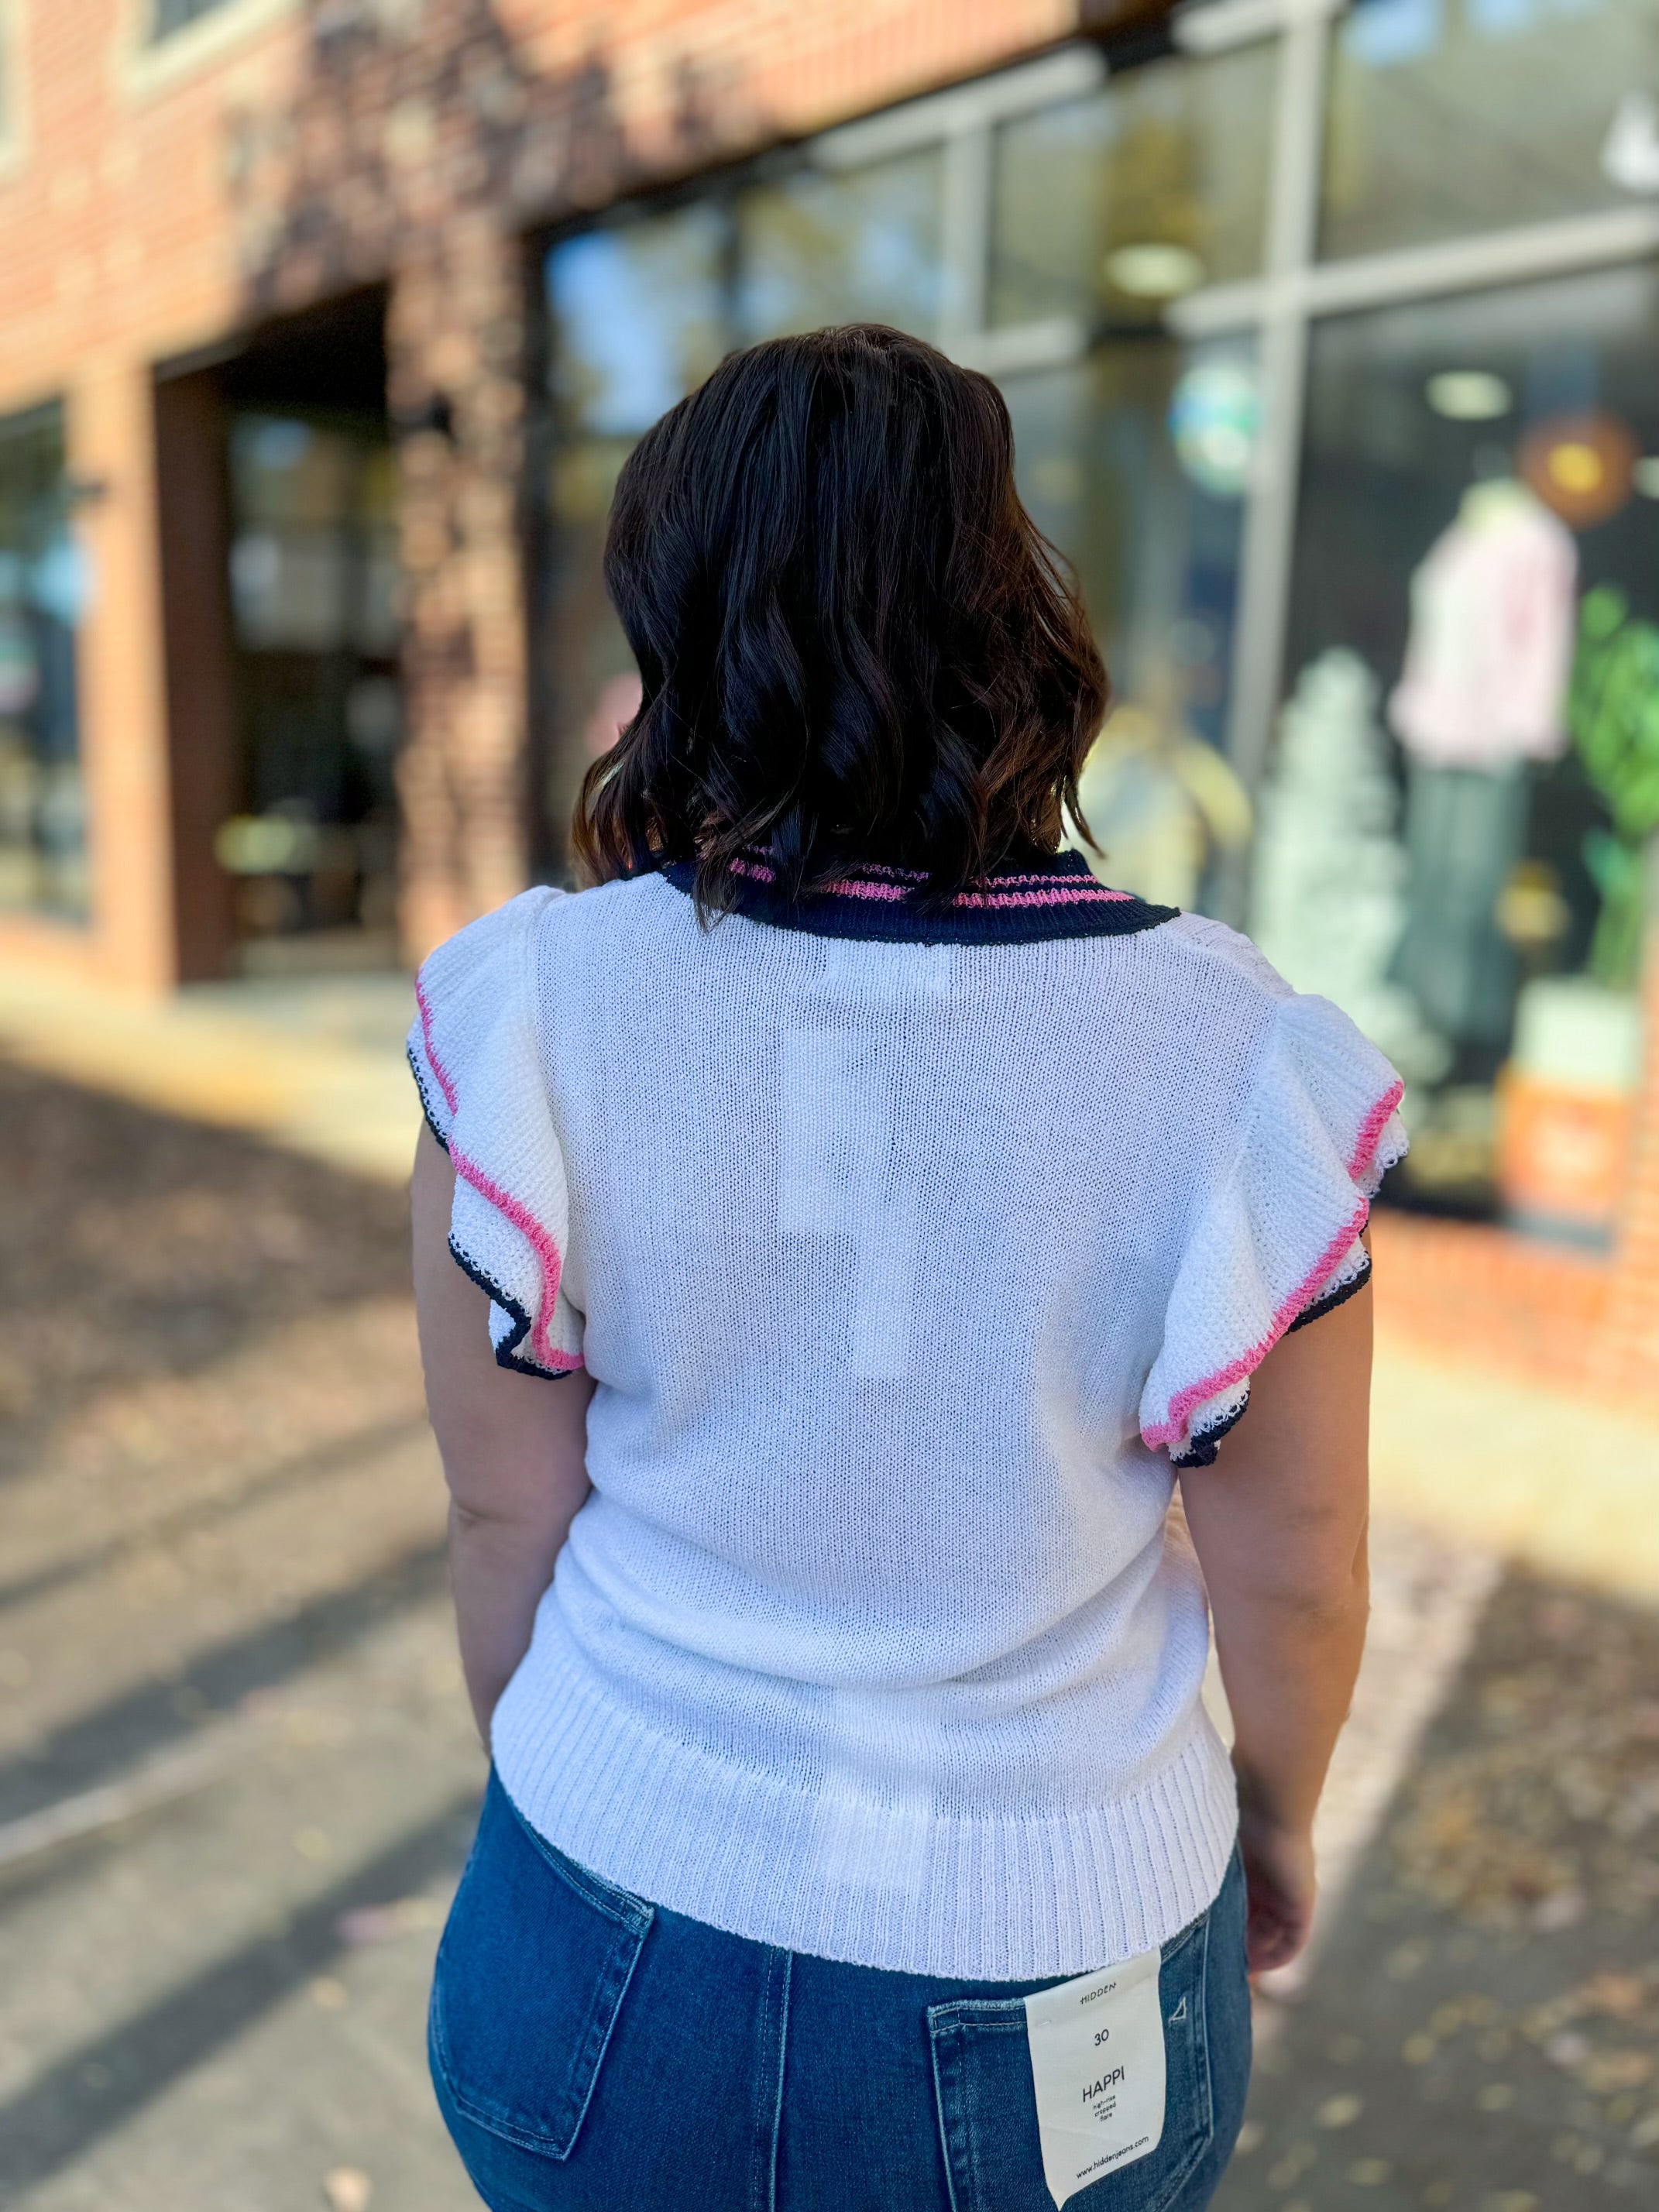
[1003, 890]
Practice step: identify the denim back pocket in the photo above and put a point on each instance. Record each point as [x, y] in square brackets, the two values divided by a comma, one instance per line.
[987, 2107]
[536, 1957]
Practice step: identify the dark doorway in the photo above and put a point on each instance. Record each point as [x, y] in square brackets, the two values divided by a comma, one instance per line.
[312, 564]
[279, 548]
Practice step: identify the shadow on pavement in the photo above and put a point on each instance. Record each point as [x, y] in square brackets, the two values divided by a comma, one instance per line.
[115, 1737]
[96, 2088]
[289, 1475]
[136, 1244]
[214, 1483]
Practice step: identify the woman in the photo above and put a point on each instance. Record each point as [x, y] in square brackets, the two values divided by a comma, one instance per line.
[904, 1211]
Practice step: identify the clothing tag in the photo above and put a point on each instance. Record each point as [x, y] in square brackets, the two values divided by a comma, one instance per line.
[1096, 2049]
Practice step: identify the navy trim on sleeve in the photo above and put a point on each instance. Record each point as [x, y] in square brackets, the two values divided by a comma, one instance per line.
[1333, 1299]
[506, 1351]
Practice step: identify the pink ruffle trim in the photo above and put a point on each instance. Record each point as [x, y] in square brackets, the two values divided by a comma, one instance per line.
[1371, 1128]
[540, 1240]
[542, 1347]
[440, 1074]
[1172, 1428]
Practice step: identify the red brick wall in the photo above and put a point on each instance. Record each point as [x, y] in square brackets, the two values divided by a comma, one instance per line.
[1489, 1296]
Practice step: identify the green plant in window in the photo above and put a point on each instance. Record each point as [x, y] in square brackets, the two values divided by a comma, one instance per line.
[1612, 710]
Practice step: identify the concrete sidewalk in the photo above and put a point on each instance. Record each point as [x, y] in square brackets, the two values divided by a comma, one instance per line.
[315, 1067]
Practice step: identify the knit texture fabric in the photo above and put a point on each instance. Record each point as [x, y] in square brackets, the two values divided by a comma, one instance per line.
[903, 1271]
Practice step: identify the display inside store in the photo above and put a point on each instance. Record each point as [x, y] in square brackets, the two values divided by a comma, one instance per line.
[1498, 603]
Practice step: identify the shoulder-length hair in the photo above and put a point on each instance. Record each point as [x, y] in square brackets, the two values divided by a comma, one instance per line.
[855, 644]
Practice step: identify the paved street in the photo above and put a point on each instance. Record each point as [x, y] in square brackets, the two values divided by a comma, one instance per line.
[237, 1777]
[236, 1773]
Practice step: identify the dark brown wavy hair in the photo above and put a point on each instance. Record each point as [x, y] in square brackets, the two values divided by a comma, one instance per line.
[855, 643]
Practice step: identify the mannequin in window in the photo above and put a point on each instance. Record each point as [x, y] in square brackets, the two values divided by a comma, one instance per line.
[1481, 694]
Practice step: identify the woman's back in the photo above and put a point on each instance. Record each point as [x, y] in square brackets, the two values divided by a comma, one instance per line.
[874, 1247]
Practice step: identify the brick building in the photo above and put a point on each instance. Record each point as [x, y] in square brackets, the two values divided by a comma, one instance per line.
[1329, 339]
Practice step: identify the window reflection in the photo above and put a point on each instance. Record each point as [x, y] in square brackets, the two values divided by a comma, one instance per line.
[43, 587]
[1448, 115]
[819, 248]
[640, 317]
[1118, 202]
[1135, 460]
[1135, 463]
[1452, 825]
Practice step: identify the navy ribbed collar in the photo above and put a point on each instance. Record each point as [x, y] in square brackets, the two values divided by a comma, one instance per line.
[1053, 895]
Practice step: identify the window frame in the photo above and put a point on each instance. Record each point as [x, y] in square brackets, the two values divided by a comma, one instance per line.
[14, 87]
[151, 61]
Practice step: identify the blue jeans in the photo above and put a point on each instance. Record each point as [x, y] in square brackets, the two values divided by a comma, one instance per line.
[594, 2052]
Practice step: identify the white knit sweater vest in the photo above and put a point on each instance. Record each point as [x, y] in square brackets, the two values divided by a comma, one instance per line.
[906, 1254]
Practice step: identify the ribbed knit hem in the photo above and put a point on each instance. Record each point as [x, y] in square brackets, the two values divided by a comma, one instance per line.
[845, 1878]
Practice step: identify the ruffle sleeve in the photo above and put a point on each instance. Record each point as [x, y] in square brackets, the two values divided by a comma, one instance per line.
[474, 1050]
[1277, 1240]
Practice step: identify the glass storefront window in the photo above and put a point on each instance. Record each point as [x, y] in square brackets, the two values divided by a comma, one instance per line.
[1452, 828]
[170, 16]
[821, 247]
[1455, 116]
[1135, 463]
[642, 310]
[1462, 789]
[43, 867]
[1135, 460]
[1112, 205]
[640, 316]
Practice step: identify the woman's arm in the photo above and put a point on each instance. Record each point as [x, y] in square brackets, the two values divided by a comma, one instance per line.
[514, 1450]
[1280, 1525]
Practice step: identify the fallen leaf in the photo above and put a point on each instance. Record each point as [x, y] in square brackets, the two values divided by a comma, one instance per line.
[348, 2189]
[1341, 2111]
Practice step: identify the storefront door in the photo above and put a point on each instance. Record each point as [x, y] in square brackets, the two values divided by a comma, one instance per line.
[314, 588]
